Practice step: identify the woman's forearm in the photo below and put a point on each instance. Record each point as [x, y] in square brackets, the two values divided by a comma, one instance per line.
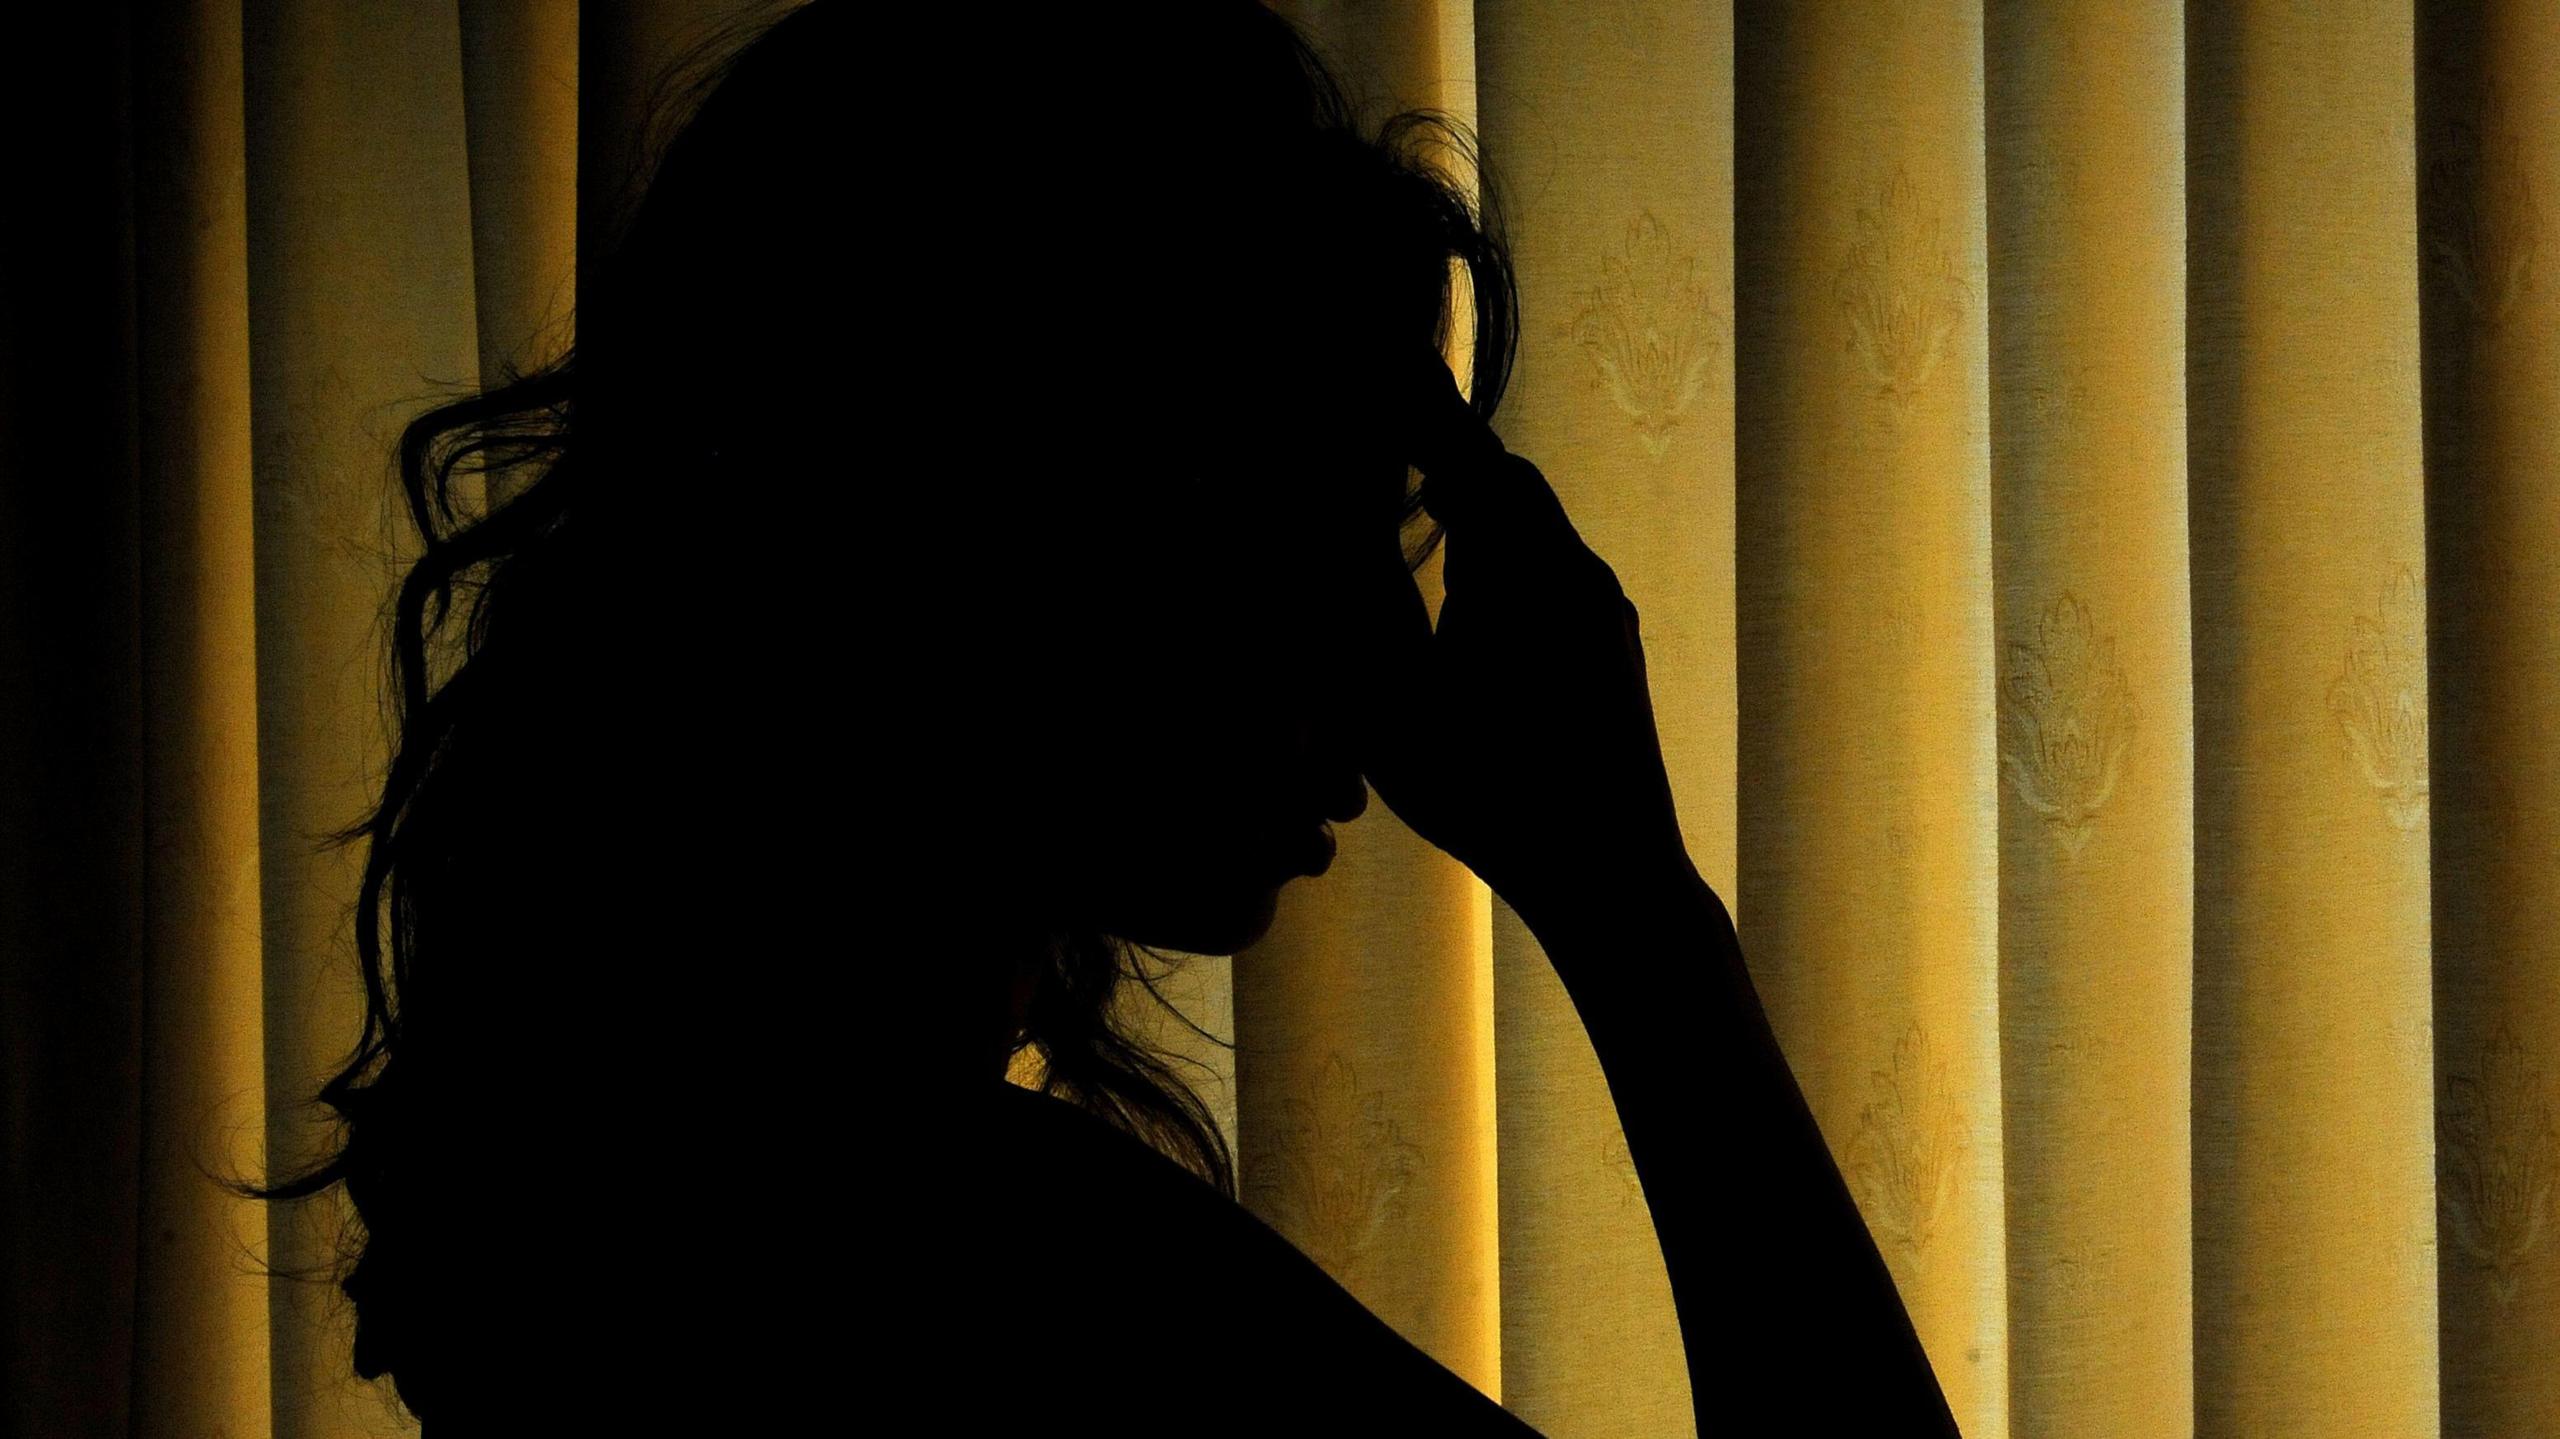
[1787, 1312]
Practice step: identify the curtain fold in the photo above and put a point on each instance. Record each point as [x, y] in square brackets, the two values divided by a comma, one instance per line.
[520, 108]
[1364, 1018]
[1624, 395]
[2315, 1259]
[1869, 821]
[2087, 252]
[2488, 169]
[359, 229]
[2080, 462]
[201, 1352]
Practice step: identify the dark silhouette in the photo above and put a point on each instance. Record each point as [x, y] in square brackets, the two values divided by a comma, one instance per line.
[972, 539]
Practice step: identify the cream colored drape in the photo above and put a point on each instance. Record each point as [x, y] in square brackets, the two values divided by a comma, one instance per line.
[2014, 423]
[340, 213]
[2080, 462]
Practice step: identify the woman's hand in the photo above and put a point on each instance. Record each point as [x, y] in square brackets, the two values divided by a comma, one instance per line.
[1519, 736]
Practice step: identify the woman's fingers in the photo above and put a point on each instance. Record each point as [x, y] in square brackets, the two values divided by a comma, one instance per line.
[1474, 487]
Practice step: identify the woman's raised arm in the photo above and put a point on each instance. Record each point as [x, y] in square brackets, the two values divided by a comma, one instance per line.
[1789, 1318]
[1518, 735]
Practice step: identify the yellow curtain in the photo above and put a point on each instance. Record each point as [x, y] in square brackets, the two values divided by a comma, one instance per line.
[2013, 422]
[2078, 462]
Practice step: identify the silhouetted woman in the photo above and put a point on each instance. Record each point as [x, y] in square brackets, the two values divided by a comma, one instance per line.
[972, 538]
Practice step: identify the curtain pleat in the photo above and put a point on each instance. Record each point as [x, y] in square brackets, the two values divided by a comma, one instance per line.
[2087, 308]
[1868, 815]
[201, 1350]
[1364, 1018]
[520, 102]
[2315, 1258]
[1623, 241]
[361, 306]
[2488, 155]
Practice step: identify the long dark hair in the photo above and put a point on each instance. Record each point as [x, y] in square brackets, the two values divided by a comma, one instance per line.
[485, 863]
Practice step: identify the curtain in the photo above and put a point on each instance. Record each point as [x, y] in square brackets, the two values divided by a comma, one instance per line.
[282, 228]
[2080, 462]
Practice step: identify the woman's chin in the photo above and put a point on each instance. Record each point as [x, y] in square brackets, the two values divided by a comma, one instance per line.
[1226, 928]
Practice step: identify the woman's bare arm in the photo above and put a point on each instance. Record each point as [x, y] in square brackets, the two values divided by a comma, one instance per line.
[1517, 734]
[1790, 1320]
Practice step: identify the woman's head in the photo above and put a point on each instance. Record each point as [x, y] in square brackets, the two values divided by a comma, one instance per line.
[1157, 380]
[1043, 388]
[956, 524]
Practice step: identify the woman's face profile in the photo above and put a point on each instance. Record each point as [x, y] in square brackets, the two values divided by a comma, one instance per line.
[1200, 759]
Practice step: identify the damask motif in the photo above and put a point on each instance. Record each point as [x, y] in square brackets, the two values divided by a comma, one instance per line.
[2047, 174]
[2497, 1159]
[1344, 1168]
[292, 481]
[2412, 1260]
[2082, 1279]
[1620, 1163]
[2060, 406]
[1910, 1140]
[2484, 225]
[1902, 291]
[1636, 24]
[2412, 1040]
[1650, 330]
[2066, 720]
[2380, 699]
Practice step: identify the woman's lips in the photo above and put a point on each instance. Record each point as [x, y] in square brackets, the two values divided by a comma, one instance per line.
[1313, 851]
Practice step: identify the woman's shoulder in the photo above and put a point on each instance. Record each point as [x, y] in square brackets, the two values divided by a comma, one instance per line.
[1117, 1283]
